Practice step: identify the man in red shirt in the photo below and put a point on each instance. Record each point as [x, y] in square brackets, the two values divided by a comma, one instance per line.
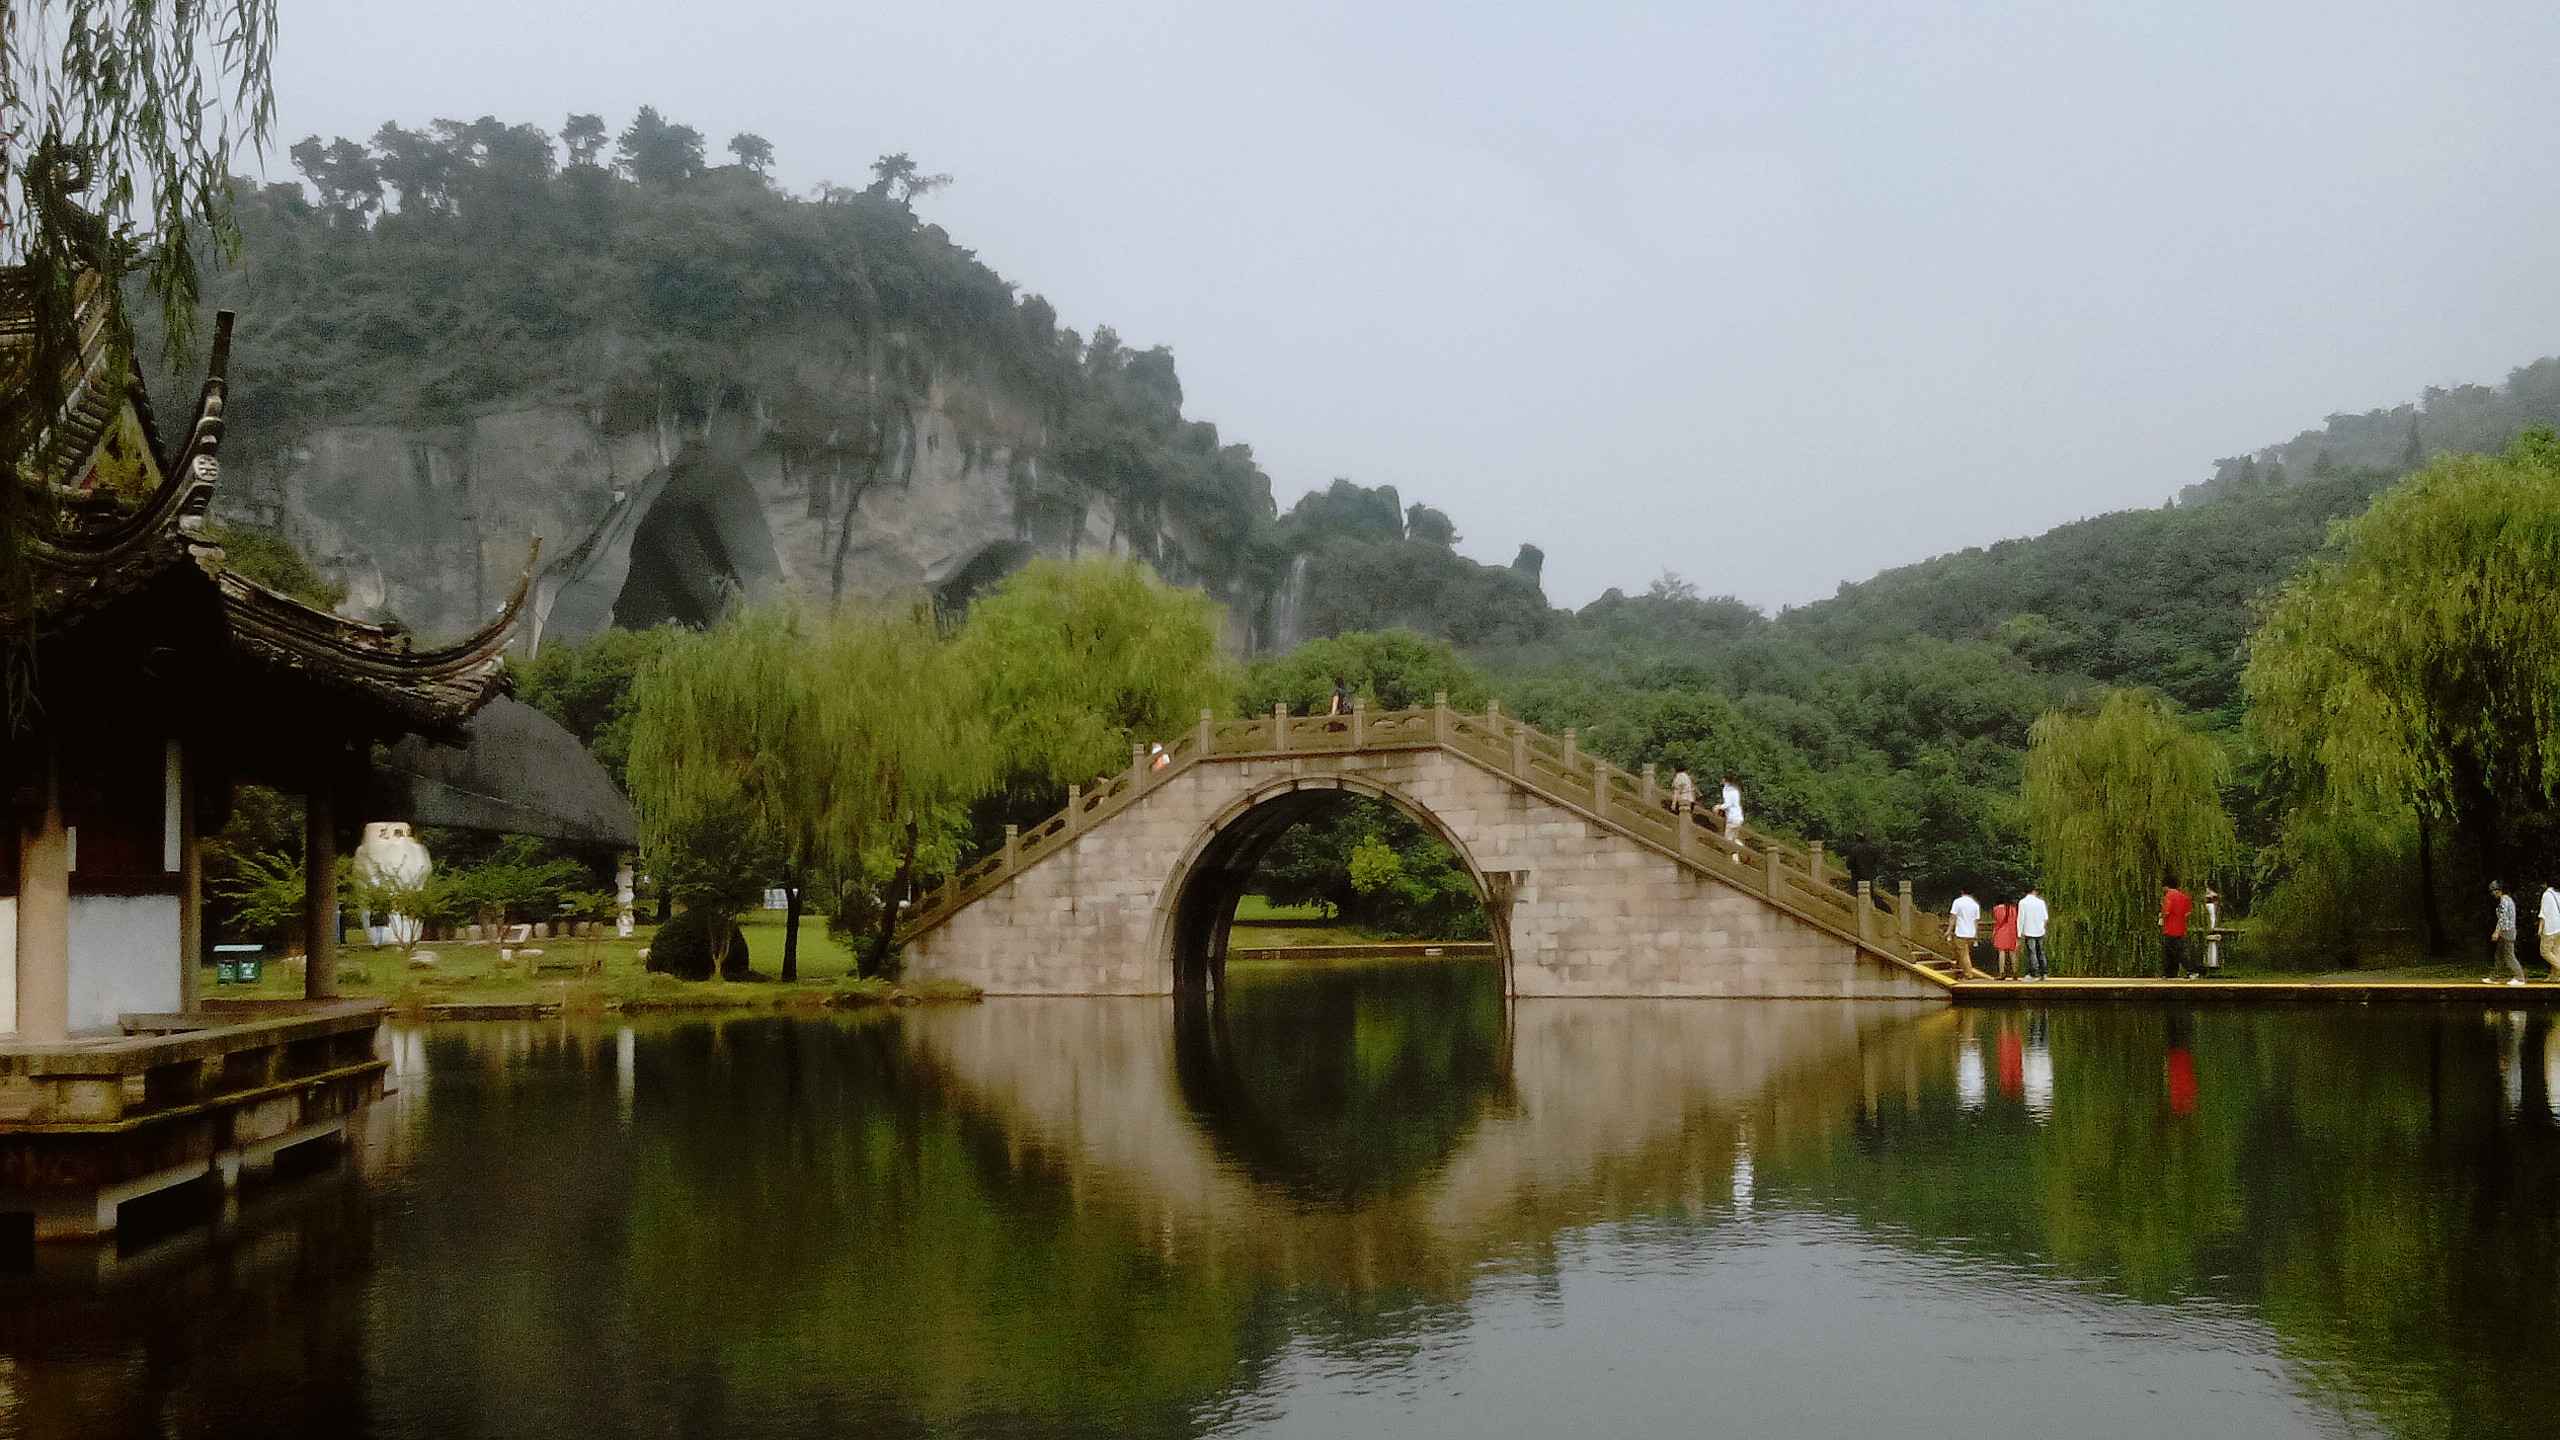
[2173, 931]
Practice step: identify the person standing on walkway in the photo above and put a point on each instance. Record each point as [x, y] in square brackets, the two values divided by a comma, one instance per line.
[1341, 698]
[2032, 919]
[1684, 794]
[1964, 923]
[1730, 811]
[2551, 928]
[2502, 936]
[2174, 905]
[2004, 941]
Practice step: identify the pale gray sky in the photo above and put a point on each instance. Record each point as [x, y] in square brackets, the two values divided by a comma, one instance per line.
[1771, 295]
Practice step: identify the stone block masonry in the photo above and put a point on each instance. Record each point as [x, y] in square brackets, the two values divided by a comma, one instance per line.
[1579, 907]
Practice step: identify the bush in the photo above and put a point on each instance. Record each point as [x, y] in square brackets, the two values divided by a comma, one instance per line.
[683, 948]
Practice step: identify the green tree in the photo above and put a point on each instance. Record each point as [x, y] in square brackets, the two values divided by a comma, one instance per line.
[655, 151]
[1391, 669]
[898, 177]
[585, 137]
[1076, 661]
[2415, 670]
[753, 151]
[2117, 803]
[835, 739]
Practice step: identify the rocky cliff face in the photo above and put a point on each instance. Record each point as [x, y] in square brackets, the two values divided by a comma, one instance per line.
[936, 484]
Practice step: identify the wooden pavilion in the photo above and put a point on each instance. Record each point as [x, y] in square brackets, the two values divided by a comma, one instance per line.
[157, 678]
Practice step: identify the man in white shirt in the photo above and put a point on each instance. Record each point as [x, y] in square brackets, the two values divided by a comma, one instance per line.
[2032, 919]
[1964, 922]
[1731, 809]
[2551, 928]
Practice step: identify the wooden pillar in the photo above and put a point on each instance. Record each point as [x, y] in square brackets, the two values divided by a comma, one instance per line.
[44, 914]
[320, 883]
[190, 867]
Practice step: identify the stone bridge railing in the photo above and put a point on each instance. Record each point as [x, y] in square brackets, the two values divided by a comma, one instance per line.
[1798, 879]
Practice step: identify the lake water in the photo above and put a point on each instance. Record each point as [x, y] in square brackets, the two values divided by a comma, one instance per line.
[1372, 1201]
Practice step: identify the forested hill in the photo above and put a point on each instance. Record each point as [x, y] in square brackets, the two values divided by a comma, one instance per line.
[2161, 598]
[2471, 419]
[686, 382]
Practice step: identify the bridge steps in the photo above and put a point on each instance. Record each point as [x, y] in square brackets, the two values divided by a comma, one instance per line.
[1799, 880]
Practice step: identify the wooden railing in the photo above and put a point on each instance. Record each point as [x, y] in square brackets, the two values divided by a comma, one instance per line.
[1799, 879]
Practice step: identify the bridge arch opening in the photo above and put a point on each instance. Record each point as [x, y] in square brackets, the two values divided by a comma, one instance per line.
[1302, 839]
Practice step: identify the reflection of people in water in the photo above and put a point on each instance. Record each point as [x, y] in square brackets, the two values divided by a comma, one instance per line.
[2038, 1069]
[2013, 1061]
[2181, 1065]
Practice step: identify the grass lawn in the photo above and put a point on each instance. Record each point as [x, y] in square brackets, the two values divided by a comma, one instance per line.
[579, 974]
[1263, 925]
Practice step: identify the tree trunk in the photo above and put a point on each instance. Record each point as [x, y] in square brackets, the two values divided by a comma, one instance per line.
[889, 908]
[2436, 943]
[791, 926]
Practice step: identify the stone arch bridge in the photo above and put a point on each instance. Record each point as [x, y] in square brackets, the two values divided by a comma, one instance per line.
[1592, 885]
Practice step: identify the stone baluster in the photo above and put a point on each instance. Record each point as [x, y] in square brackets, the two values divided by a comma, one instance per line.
[1137, 766]
[1520, 752]
[1814, 866]
[1440, 716]
[1279, 725]
[1907, 913]
[1866, 912]
[1208, 733]
[1075, 808]
[1572, 749]
[1651, 800]
[1012, 847]
[1774, 871]
[1359, 722]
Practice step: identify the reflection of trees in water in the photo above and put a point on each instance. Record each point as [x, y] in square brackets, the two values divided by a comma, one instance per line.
[1338, 1087]
[2381, 1187]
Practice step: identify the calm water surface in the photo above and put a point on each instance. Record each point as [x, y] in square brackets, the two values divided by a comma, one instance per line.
[1372, 1202]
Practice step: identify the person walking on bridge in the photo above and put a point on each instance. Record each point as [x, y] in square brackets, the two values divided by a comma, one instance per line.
[1684, 794]
[2502, 935]
[2033, 917]
[2551, 928]
[1730, 810]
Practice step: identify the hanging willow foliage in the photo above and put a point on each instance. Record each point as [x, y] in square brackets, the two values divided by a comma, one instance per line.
[110, 110]
[2115, 802]
[2419, 664]
[839, 739]
[1076, 660]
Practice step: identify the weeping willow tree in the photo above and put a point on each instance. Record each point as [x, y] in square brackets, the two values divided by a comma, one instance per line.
[1078, 660]
[845, 742]
[111, 111]
[2407, 683]
[2116, 802]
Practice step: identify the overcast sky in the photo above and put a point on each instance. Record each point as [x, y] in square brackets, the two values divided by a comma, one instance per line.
[1774, 296]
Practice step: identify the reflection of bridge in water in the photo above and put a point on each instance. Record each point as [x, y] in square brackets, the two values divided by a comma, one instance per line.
[1601, 1110]
[1592, 884]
